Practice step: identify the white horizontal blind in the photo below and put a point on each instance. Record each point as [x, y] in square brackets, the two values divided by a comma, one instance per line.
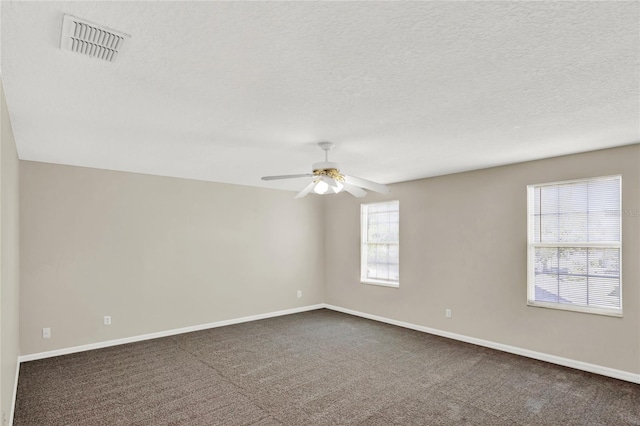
[380, 243]
[575, 243]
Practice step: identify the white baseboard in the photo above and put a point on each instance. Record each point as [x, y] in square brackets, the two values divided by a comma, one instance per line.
[15, 392]
[132, 339]
[566, 362]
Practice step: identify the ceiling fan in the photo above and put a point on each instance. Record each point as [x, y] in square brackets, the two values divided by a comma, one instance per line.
[328, 179]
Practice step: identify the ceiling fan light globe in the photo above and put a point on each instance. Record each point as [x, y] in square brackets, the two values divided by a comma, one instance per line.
[321, 188]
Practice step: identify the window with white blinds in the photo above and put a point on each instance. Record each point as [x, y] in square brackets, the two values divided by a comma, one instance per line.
[574, 249]
[380, 234]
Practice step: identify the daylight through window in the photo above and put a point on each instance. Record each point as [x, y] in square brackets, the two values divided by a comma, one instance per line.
[380, 243]
[575, 245]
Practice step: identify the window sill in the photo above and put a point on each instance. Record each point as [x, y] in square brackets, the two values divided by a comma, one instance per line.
[380, 283]
[583, 309]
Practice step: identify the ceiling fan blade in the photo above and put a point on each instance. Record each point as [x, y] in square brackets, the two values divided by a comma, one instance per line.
[354, 190]
[367, 184]
[286, 176]
[339, 186]
[306, 190]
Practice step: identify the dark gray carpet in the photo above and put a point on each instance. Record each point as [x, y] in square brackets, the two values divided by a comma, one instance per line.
[314, 368]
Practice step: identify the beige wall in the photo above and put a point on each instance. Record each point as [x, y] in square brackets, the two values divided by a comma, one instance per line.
[463, 242]
[161, 253]
[9, 260]
[157, 253]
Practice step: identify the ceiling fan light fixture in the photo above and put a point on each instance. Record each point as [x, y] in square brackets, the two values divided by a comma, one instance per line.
[321, 187]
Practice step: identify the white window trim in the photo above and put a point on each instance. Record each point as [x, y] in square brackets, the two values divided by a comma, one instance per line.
[531, 255]
[363, 253]
[383, 283]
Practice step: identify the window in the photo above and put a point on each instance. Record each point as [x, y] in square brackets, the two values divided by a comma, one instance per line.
[574, 249]
[380, 243]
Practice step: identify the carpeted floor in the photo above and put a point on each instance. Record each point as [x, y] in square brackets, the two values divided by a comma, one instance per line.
[315, 368]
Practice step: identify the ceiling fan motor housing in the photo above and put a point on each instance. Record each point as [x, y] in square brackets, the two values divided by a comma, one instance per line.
[325, 165]
[327, 168]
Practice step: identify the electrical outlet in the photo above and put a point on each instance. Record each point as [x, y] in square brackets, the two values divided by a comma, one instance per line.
[299, 294]
[447, 313]
[46, 333]
[107, 320]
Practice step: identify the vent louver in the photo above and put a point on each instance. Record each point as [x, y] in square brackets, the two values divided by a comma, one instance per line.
[90, 39]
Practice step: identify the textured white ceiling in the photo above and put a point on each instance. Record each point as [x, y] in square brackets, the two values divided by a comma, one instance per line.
[232, 91]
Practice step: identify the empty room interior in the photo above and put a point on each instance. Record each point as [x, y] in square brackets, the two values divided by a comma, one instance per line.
[320, 213]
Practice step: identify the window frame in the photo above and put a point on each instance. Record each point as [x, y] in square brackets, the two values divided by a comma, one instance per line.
[531, 246]
[364, 215]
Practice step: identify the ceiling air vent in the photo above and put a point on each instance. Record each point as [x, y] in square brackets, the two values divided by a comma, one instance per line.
[90, 39]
